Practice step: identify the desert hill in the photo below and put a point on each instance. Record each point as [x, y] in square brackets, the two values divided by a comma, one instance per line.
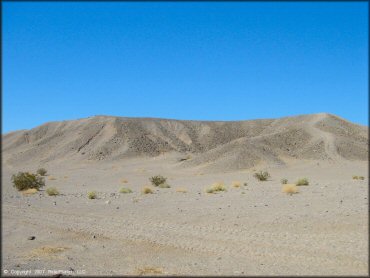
[212, 144]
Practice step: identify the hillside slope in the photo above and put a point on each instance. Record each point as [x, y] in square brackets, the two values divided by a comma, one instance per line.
[228, 145]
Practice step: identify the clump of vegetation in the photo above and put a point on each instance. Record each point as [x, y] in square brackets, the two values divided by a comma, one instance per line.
[52, 191]
[158, 180]
[30, 191]
[92, 195]
[262, 175]
[358, 177]
[290, 189]
[147, 190]
[216, 187]
[284, 181]
[303, 181]
[355, 177]
[181, 190]
[41, 172]
[361, 178]
[164, 185]
[125, 190]
[245, 184]
[236, 184]
[26, 180]
[51, 178]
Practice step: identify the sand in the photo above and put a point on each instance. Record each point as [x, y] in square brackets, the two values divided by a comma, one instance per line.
[254, 229]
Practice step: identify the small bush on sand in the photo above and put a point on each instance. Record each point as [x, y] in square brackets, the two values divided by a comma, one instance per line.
[284, 181]
[41, 172]
[262, 175]
[355, 177]
[236, 184]
[51, 178]
[361, 178]
[216, 187]
[26, 180]
[164, 185]
[147, 190]
[52, 191]
[125, 190]
[30, 191]
[157, 180]
[181, 190]
[290, 189]
[92, 195]
[303, 181]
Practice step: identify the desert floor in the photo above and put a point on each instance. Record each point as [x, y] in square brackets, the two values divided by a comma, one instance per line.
[251, 230]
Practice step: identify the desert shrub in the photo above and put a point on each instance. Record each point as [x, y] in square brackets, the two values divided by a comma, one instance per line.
[284, 181]
[147, 190]
[41, 172]
[236, 184]
[355, 177]
[290, 189]
[26, 180]
[303, 181]
[52, 191]
[92, 195]
[216, 187]
[51, 178]
[245, 184]
[181, 190]
[158, 180]
[361, 178]
[125, 190]
[262, 175]
[164, 185]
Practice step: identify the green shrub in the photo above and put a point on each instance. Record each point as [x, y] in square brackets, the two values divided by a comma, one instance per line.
[284, 181]
[26, 180]
[92, 195]
[157, 180]
[303, 181]
[52, 191]
[42, 172]
[125, 190]
[262, 175]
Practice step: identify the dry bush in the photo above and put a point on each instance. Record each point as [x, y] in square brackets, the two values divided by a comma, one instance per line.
[290, 189]
[164, 185]
[216, 187]
[41, 171]
[125, 190]
[236, 184]
[30, 191]
[149, 270]
[284, 181]
[147, 190]
[262, 175]
[92, 195]
[26, 180]
[361, 178]
[157, 180]
[303, 181]
[51, 178]
[52, 191]
[181, 190]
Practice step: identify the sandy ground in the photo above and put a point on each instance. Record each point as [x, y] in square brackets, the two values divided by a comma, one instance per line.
[251, 230]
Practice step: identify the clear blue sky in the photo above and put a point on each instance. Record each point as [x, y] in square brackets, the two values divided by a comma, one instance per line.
[183, 60]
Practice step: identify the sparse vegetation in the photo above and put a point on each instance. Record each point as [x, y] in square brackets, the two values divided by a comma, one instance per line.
[290, 189]
[358, 177]
[51, 178]
[149, 270]
[30, 191]
[26, 180]
[216, 187]
[124, 181]
[92, 195]
[125, 190]
[42, 171]
[158, 180]
[147, 190]
[52, 191]
[181, 190]
[361, 178]
[355, 177]
[303, 181]
[245, 184]
[236, 184]
[262, 175]
[284, 181]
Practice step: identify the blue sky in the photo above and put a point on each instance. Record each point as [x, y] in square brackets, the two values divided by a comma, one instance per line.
[183, 60]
